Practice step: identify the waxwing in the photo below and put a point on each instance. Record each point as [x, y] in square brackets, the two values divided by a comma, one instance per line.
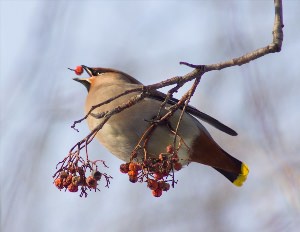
[122, 131]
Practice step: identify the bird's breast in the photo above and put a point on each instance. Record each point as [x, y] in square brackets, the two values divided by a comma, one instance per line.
[123, 131]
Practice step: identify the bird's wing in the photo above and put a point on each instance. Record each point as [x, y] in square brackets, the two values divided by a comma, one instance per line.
[193, 111]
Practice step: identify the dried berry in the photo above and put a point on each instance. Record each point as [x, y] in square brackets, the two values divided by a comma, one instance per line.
[132, 173]
[152, 184]
[175, 158]
[165, 186]
[67, 181]
[157, 192]
[72, 188]
[133, 179]
[158, 175]
[134, 167]
[91, 182]
[124, 168]
[63, 174]
[59, 183]
[76, 180]
[75, 174]
[177, 166]
[97, 175]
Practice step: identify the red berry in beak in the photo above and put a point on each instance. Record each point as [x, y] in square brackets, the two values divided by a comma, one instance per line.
[78, 70]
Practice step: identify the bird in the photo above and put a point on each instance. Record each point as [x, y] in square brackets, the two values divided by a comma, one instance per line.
[122, 132]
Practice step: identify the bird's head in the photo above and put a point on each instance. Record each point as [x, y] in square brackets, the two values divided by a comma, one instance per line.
[100, 75]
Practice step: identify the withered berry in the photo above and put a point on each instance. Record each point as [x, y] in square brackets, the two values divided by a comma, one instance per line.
[97, 175]
[175, 158]
[157, 192]
[165, 186]
[76, 180]
[124, 168]
[133, 179]
[152, 184]
[158, 175]
[67, 181]
[91, 182]
[72, 188]
[63, 174]
[59, 183]
[177, 166]
[134, 167]
[132, 173]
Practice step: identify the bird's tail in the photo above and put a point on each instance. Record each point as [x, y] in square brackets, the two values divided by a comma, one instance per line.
[207, 151]
[237, 178]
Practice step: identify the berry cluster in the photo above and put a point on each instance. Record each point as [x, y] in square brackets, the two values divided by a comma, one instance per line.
[157, 172]
[72, 176]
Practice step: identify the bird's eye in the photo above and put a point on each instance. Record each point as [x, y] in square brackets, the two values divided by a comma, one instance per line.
[98, 73]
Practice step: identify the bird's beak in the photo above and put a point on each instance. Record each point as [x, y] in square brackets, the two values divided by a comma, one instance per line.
[84, 81]
[89, 70]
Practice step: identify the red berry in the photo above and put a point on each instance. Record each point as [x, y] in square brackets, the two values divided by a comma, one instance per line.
[177, 166]
[58, 183]
[91, 182]
[158, 175]
[124, 168]
[67, 181]
[133, 176]
[169, 149]
[133, 179]
[134, 167]
[175, 158]
[152, 184]
[165, 173]
[157, 192]
[78, 70]
[72, 188]
[132, 173]
[165, 186]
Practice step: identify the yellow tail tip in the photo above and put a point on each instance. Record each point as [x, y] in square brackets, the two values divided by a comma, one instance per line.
[242, 177]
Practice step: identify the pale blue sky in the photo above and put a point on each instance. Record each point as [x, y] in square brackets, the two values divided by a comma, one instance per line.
[147, 39]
